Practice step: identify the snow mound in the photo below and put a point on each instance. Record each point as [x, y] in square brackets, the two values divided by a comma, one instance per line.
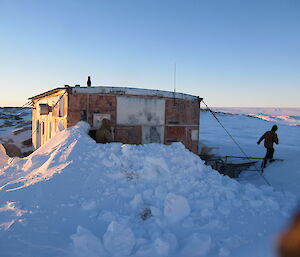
[73, 197]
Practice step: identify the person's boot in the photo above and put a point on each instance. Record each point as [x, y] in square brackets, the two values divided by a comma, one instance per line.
[265, 163]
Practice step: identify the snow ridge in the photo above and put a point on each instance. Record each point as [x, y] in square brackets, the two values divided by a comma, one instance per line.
[287, 116]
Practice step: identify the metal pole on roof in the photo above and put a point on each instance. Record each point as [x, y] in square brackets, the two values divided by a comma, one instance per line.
[174, 81]
[175, 77]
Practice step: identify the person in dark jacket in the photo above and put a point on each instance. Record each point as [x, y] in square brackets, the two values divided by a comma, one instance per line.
[270, 138]
[103, 134]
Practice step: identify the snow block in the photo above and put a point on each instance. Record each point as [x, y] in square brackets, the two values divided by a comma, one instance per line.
[176, 207]
[119, 240]
[87, 244]
[197, 245]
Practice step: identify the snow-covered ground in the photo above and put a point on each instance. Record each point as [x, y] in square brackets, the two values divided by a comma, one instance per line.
[15, 130]
[247, 130]
[73, 197]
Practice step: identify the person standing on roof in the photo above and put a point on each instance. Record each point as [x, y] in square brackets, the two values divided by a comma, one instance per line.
[103, 134]
[270, 138]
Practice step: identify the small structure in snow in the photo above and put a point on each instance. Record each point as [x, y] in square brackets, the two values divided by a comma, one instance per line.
[137, 116]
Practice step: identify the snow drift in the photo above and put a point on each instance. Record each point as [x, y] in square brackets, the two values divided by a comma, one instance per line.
[73, 197]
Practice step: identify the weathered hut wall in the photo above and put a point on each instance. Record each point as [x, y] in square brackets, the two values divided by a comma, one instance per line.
[45, 125]
[182, 122]
[91, 108]
[140, 119]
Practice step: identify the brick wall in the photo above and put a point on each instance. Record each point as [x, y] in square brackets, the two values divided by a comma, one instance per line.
[83, 107]
[182, 117]
[181, 111]
[128, 134]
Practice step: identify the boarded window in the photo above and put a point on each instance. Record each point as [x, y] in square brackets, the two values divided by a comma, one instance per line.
[176, 132]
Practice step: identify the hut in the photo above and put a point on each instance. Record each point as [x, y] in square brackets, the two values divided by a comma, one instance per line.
[137, 116]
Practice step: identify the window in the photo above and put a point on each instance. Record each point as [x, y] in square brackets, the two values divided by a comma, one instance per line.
[61, 107]
[43, 127]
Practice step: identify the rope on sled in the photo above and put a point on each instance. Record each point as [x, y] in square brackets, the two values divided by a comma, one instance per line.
[237, 144]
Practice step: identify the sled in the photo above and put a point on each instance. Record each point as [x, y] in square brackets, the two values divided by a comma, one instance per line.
[225, 166]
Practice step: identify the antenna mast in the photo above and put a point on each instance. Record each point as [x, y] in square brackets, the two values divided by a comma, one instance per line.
[174, 81]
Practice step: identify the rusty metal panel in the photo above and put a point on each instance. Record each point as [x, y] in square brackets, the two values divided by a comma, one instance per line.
[175, 131]
[182, 112]
[128, 134]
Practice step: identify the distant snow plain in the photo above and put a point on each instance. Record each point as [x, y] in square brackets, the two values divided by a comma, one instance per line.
[288, 116]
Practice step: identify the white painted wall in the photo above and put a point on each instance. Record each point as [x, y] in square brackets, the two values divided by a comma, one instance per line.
[140, 111]
[146, 112]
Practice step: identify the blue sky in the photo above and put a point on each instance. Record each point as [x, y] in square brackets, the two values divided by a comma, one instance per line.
[231, 53]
